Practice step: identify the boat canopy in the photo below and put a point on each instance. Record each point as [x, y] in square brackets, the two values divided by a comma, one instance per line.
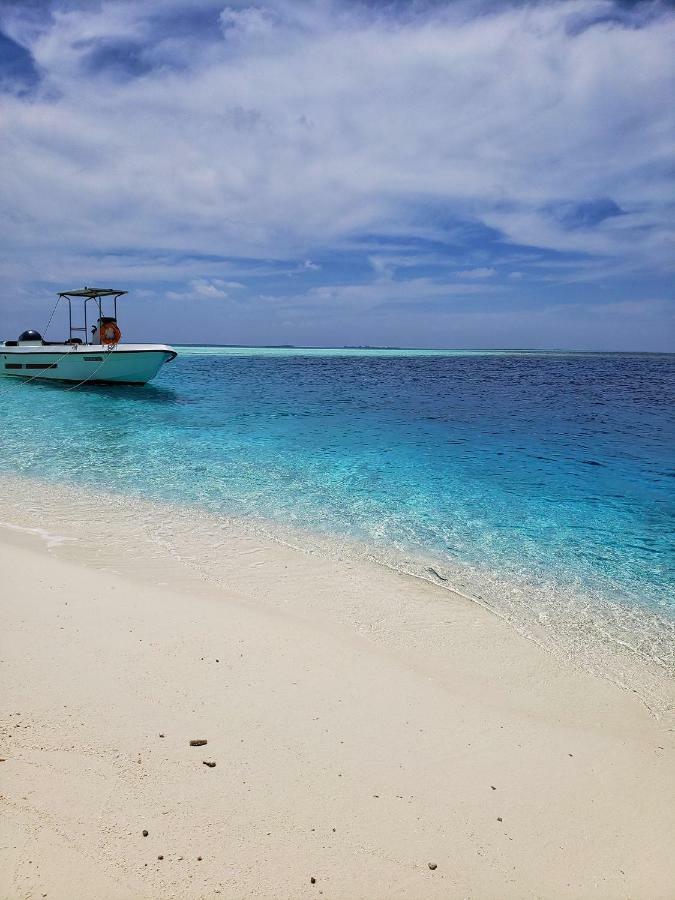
[86, 294]
[91, 293]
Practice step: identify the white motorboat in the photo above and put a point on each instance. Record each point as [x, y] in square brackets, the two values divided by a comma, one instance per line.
[100, 358]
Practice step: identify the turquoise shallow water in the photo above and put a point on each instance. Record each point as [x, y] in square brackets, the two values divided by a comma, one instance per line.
[552, 471]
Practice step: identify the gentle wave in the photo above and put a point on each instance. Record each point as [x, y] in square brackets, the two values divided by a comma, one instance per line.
[539, 484]
[629, 646]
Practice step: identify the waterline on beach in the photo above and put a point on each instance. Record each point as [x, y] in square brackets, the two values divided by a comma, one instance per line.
[537, 484]
[546, 466]
[167, 543]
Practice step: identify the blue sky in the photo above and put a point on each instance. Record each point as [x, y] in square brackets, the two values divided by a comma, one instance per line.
[458, 174]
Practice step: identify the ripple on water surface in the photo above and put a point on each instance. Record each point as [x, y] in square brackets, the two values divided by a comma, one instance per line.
[541, 483]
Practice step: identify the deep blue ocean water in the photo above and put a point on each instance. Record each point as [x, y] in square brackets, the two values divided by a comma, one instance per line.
[550, 468]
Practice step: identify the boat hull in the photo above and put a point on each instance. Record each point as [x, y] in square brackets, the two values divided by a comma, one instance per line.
[93, 364]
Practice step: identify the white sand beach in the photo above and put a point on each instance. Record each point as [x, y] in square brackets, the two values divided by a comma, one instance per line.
[410, 747]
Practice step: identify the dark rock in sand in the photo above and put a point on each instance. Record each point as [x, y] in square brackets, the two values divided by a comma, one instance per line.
[198, 743]
[499, 819]
[312, 880]
[160, 856]
[432, 866]
[209, 763]
[145, 832]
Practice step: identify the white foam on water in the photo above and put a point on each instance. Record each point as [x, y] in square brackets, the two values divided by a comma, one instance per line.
[51, 540]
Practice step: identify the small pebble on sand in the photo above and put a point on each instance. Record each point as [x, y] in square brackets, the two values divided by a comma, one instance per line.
[312, 880]
[499, 819]
[145, 832]
[432, 866]
[210, 763]
[198, 742]
[160, 856]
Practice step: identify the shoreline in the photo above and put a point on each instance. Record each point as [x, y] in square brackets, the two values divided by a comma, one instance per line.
[631, 647]
[421, 728]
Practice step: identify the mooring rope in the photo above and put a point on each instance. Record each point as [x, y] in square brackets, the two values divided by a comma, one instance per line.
[73, 349]
[46, 328]
[93, 372]
[39, 374]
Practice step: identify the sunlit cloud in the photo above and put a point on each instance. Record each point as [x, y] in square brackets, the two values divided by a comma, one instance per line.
[389, 149]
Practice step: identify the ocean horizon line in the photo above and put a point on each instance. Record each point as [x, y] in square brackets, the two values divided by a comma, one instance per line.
[397, 348]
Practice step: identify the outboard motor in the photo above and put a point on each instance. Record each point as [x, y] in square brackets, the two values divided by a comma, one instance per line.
[30, 337]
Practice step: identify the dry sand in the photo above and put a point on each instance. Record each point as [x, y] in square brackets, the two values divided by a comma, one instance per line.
[354, 750]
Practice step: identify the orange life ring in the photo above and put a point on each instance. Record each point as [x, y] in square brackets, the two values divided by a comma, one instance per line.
[110, 334]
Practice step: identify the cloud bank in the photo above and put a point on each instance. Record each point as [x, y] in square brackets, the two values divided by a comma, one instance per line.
[381, 161]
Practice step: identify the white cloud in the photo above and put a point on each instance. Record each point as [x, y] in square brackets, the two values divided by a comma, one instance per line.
[214, 289]
[248, 22]
[343, 300]
[300, 127]
[482, 272]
